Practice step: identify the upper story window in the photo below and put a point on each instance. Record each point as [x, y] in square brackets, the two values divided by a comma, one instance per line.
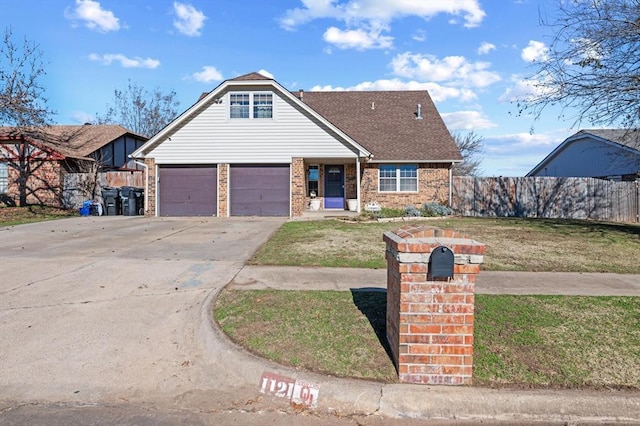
[398, 177]
[251, 105]
[239, 104]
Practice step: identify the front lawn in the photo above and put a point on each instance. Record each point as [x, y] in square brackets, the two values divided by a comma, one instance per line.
[521, 341]
[18, 215]
[513, 244]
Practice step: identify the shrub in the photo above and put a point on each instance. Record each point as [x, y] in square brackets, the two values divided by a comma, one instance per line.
[389, 212]
[412, 211]
[435, 209]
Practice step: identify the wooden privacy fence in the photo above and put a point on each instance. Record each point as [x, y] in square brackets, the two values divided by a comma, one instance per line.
[80, 187]
[549, 197]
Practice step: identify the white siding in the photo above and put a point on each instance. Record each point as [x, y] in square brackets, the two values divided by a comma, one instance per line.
[589, 158]
[211, 137]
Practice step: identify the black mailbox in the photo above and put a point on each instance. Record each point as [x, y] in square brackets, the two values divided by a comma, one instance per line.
[441, 263]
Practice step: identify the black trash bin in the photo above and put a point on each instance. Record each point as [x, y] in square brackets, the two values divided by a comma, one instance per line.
[126, 201]
[111, 201]
[137, 200]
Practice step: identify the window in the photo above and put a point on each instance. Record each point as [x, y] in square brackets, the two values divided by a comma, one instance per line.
[398, 178]
[251, 105]
[239, 105]
[4, 177]
[262, 105]
[312, 181]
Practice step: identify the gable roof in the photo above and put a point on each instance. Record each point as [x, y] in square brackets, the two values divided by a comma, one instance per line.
[628, 140]
[386, 123]
[252, 80]
[379, 124]
[624, 137]
[75, 141]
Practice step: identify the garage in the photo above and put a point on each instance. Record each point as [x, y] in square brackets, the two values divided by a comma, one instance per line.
[188, 190]
[259, 190]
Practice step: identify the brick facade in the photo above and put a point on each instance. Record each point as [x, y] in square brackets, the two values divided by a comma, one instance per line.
[433, 186]
[223, 190]
[298, 187]
[430, 320]
[43, 186]
[150, 208]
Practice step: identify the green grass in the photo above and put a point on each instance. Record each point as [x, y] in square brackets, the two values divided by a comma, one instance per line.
[513, 244]
[521, 341]
[10, 216]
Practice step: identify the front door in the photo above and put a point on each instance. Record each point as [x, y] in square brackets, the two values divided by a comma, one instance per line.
[334, 187]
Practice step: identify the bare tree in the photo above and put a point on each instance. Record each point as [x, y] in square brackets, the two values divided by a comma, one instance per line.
[470, 146]
[22, 101]
[144, 113]
[23, 108]
[592, 65]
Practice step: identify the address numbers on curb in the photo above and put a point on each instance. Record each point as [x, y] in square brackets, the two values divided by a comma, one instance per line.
[296, 390]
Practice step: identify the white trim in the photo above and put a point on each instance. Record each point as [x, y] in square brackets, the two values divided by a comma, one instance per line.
[398, 177]
[228, 190]
[157, 179]
[358, 195]
[196, 108]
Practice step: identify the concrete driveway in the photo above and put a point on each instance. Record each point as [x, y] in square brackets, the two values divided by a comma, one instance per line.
[107, 308]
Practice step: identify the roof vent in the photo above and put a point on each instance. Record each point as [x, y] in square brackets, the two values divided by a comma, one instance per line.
[419, 113]
[373, 105]
[301, 95]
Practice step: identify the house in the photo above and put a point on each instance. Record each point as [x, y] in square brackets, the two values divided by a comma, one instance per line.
[35, 162]
[252, 147]
[600, 153]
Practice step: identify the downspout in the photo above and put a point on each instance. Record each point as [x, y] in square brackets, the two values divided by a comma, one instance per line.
[358, 182]
[451, 186]
[146, 183]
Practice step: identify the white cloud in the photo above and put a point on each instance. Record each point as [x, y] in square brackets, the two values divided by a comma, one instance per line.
[94, 16]
[359, 39]
[467, 120]
[454, 69]
[208, 74]
[353, 11]
[524, 89]
[82, 117]
[535, 51]
[420, 35]
[266, 74]
[189, 20]
[437, 92]
[125, 62]
[485, 48]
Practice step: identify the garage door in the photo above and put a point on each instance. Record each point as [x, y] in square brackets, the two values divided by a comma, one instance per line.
[188, 190]
[259, 190]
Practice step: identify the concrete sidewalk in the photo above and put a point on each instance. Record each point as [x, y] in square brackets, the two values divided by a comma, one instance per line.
[313, 278]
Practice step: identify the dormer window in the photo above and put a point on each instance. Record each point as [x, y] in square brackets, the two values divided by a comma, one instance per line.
[251, 105]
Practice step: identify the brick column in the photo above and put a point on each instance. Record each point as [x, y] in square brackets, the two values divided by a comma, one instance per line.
[223, 190]
[430, 320]
[150, 207]
[298, 191]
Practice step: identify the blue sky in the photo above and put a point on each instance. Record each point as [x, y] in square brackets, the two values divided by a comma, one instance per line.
[471, 55]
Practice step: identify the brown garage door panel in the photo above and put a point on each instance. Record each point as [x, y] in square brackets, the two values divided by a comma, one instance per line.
[259, 190]
[188, 190]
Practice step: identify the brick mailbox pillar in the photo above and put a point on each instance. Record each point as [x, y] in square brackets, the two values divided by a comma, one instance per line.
[430, 316]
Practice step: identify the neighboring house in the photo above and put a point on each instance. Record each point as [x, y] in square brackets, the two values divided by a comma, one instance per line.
[34, 163]
[599, 153]
[252, 147]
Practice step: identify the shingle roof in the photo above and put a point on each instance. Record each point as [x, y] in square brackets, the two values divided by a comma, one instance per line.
[77, 141]
[385, 122]
[251, 76]
[628, 138]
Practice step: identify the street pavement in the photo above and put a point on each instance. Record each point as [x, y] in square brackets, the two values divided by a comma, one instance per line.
[113, 314]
